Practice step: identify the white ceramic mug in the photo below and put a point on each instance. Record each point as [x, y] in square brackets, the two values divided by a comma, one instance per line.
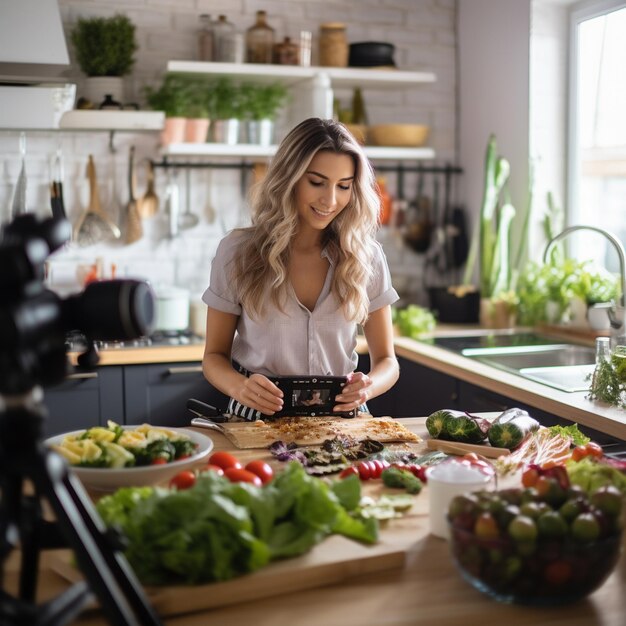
[446, 480]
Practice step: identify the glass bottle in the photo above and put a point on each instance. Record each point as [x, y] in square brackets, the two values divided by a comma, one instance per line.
[260, 40]
[205, 38]
[222, 32]
[603, 349]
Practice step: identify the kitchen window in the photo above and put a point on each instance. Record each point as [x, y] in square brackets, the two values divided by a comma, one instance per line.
[597, 126]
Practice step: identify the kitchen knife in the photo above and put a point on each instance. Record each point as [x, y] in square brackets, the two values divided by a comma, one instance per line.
[204, 410]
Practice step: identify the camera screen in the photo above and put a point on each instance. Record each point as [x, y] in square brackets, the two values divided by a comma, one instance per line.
[310, 395]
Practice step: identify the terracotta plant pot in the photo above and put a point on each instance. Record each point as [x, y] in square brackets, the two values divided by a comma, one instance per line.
[497, 314]
[196, 130]
[173, 130]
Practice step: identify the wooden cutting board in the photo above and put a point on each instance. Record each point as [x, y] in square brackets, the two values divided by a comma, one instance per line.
[314, 431]
[335, 559]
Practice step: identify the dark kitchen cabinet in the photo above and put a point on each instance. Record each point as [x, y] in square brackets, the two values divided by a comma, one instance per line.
[85, 399]
[158, 393]
[418, 392]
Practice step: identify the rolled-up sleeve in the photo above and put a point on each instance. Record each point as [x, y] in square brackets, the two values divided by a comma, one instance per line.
[220, 293]
[380, 290]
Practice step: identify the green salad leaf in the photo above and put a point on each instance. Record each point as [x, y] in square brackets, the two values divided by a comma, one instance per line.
[217, 529]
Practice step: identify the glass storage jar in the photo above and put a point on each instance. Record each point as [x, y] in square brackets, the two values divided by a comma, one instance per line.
[333, 46]
[286, 52]
[260, 40]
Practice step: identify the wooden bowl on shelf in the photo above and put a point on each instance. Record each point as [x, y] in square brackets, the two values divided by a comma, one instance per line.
[398, 135]
[358, 131]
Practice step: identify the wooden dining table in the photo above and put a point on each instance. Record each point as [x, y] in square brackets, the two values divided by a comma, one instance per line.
[425, 589]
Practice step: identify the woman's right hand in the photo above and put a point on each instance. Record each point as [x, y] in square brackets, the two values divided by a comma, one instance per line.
[260, 393]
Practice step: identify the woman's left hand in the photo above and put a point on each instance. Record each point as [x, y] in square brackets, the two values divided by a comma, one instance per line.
[354, 393]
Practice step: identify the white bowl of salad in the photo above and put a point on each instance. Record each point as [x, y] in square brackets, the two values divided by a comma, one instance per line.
[108, 457]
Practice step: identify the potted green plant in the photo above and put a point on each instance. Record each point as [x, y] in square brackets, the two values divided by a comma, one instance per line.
[196, 94]
[104, 48]
[171, 98]
[491, 245]
[225, 110]
[260, 105]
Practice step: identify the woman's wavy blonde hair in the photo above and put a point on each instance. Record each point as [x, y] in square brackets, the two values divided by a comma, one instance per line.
[261, 262]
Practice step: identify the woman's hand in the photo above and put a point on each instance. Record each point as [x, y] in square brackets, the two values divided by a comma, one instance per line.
[260, 393]
[354, 393]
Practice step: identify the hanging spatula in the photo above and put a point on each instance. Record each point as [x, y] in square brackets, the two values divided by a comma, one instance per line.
[133, 227]
[94, 224]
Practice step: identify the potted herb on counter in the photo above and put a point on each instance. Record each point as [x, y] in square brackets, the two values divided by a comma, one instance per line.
[491, 244]
[104, 48]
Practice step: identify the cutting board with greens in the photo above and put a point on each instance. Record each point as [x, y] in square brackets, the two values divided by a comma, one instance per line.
[221, 543]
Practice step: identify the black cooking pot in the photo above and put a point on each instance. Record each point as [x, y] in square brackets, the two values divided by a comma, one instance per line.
[371, 54]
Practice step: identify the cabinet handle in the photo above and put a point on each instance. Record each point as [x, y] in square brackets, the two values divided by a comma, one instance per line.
[82, 375]
[191, 369]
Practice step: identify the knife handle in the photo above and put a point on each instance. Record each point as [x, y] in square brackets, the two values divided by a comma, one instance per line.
[202, 409]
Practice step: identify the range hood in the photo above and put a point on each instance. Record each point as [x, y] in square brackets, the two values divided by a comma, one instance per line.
[32, 43]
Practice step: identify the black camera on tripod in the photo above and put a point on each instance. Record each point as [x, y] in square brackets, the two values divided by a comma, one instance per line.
[34, 322]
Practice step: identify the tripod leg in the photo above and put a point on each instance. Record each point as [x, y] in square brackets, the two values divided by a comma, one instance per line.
[105, 568]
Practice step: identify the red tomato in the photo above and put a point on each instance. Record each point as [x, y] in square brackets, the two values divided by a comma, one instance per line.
[224, 460]
[415, 469]
[530, 476]
[377, 466]
[349, 471]
[365, 470]
[578, 453]
[239, 475]
[158, 461]
[262, 469]
[183, 480]
[213, 468]
[594, 449]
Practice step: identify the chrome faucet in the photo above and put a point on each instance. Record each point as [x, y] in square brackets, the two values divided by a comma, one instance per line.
[616, 311]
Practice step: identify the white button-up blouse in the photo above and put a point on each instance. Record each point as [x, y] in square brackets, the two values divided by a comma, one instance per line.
[296, 341]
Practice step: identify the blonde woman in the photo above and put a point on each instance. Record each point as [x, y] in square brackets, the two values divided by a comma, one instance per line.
[287, 293]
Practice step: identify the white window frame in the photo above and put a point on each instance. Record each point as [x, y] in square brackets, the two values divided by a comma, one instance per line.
[580, 12]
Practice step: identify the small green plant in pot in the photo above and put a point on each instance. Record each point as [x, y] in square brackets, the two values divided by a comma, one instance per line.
[261, 104]
[104, 48]
[225, 110]
[171, 98]
[491, 244]
[196, 94]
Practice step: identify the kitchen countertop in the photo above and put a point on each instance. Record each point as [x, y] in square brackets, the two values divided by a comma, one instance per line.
[572, 406]
[427, 590]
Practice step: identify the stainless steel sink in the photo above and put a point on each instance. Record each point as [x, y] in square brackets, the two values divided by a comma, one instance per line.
[554, 362]
[568, 378]
[519, 358]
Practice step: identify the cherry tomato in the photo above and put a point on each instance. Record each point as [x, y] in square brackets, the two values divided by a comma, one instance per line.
[414, 468]
[589, 449]
[224, 460]
[239, 475]
[213, 468]
[594, 449]
[365, 470]
[530, 476]
[262, 469]
[349, 471]
[377, 468]
[158, 461]
[183, 480]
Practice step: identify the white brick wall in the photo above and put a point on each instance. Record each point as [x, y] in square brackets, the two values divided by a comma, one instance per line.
[422, 30]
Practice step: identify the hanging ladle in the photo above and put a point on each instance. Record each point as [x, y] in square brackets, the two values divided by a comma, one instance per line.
[187, 219]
